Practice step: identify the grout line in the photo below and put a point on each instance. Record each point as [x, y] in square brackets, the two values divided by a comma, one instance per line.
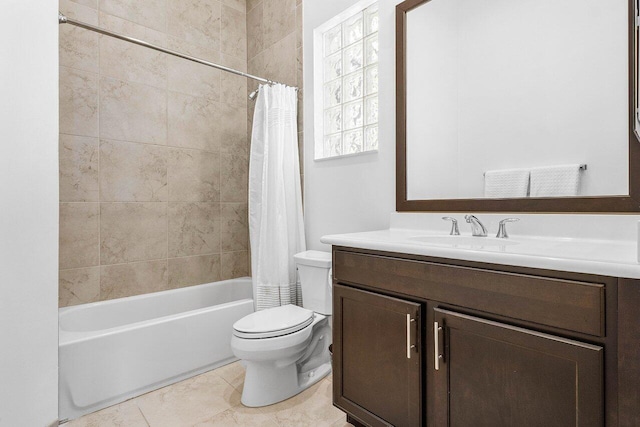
[128, 20]
[141, 411]
[82, 70]
[78, 268]
[129, 82]
[156, 260]
[122, 202]
[167, 128]
[225, 380]
[166, 125]
[99, 266]
[148, 143]
[155, 201]
[220, 34]
[166, 19]
[100, 297]
[167, 257]
[256, 5]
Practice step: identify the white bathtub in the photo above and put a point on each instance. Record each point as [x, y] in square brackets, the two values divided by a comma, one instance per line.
[113, 350]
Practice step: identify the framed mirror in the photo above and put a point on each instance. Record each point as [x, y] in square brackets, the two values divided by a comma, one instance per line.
[495, 90]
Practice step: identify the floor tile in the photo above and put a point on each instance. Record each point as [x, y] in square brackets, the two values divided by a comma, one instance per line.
[213, 399]
[188, 402]
[125, 414]
[240, 416]
[313, 407]
[233, 374]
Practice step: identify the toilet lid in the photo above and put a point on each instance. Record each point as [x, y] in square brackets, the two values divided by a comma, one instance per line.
[273, 322]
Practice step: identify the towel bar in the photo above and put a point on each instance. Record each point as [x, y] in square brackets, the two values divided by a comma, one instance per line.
[583, 167]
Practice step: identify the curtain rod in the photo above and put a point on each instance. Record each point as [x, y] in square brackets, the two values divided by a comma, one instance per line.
[62, 19]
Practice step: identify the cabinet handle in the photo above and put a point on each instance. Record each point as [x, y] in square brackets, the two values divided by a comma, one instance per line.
[437, 329]
[409, 345]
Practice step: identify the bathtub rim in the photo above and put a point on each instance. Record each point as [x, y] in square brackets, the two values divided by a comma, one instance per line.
[66, 337]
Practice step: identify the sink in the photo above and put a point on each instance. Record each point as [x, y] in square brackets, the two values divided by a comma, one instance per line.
[469, 241]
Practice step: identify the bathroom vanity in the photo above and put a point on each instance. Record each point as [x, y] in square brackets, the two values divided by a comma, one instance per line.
[448, 340]
[541, 329]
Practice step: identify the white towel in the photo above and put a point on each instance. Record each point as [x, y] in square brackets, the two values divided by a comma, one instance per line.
[552, 181]
[505, 183]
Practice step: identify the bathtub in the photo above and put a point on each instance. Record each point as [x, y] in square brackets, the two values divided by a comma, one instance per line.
[114, 350]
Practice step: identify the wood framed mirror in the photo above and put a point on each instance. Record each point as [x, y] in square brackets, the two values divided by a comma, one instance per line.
[509, 88]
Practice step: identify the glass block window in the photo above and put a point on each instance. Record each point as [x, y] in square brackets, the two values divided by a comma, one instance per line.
[347, 55]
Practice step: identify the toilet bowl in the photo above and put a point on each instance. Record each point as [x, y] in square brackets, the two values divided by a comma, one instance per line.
[286, 349]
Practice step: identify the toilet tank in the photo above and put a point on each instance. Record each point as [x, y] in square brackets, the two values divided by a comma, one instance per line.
[314, 268]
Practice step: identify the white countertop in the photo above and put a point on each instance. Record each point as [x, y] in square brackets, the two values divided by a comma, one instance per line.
[615, 258]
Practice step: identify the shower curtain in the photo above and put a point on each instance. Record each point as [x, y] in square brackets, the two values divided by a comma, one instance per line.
[276, 226]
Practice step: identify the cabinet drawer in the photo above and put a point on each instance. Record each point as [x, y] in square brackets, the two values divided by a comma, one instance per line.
[566, 304]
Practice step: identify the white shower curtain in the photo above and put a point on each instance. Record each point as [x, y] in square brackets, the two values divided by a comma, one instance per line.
[276, 226]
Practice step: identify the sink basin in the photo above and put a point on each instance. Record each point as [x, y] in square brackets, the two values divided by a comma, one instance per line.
[468, 241]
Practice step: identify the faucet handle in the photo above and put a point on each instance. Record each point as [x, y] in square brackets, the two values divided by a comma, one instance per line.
[502, 227]
[454, 225]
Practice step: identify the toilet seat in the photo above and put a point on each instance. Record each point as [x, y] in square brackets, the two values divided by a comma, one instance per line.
[273, 322]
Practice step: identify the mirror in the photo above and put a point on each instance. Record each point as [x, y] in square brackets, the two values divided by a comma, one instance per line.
[508, 89]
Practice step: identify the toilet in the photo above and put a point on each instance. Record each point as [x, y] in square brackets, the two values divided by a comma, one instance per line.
[286, 349]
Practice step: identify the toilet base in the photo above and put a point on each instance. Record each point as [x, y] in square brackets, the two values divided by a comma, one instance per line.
[265, 384]
[270, 380]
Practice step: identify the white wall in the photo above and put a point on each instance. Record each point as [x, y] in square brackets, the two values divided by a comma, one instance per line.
[29, 213]
[353, 193]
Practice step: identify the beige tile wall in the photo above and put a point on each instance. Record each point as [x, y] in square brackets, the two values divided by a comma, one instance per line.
[154, 149]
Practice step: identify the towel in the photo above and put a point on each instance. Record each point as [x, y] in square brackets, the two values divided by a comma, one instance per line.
[552, 181]
[505, 183]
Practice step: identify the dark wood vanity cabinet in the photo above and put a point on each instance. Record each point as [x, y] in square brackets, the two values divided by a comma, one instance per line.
[379, 350]
[493, 374]
[423, 341]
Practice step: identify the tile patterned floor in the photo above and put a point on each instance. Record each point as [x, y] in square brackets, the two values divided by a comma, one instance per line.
[213, 399]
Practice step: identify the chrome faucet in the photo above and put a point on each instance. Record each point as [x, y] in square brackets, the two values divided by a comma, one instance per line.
[477, 228]
[502, 227]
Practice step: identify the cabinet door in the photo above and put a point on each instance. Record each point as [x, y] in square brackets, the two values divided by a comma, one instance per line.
[492, 374]
[377, 357]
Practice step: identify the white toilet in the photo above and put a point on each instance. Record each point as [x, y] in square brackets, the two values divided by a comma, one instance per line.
[286, 349]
